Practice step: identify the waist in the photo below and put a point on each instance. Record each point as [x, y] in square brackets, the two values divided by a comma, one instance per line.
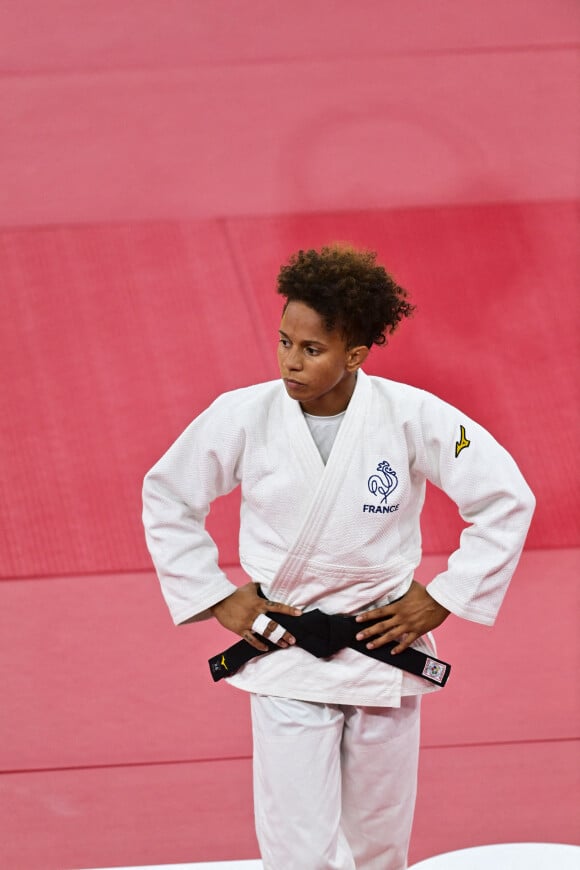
[348, 600]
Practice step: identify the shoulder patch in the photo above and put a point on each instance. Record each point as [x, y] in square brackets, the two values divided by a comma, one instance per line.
[462, 443]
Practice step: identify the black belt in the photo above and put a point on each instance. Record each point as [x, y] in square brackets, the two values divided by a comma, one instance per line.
[323, 635]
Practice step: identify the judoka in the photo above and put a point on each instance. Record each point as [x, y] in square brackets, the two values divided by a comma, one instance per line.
[332, 465]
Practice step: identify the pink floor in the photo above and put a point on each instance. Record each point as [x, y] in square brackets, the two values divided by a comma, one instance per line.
[155, 171]
[119, 750]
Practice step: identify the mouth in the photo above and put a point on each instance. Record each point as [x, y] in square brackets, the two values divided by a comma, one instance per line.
[292, 384]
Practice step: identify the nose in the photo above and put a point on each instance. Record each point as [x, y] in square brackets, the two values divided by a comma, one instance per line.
[294, 359]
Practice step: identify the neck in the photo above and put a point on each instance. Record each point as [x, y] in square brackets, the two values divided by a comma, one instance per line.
[334, 402]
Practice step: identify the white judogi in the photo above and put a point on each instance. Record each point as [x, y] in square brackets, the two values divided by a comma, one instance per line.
[335, 741]
[312, 535]
[334, 786]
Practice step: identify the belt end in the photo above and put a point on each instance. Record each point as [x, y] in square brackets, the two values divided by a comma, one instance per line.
[218, 667]
[436, 671]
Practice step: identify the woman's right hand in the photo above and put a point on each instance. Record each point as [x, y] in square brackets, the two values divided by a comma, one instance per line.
[244, 613]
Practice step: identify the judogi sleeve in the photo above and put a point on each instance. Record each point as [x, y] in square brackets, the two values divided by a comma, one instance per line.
[466, 462]
[201, 465]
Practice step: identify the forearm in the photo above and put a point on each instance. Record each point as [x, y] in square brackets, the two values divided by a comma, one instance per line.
[183, 553]
[479, 572]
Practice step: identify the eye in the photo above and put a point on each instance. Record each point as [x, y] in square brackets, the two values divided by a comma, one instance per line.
[313, 351]
[285, 342]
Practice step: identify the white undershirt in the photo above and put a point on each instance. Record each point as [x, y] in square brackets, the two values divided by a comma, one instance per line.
[324, 430]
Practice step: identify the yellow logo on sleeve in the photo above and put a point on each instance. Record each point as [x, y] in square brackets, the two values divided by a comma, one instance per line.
[223, 663]
[462, 443]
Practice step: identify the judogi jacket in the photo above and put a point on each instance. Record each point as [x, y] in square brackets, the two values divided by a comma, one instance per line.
[343, 537]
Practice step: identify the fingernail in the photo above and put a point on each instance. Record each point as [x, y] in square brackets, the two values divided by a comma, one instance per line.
[292, 640]
[358, 618]
[370, 646]
[360, 636]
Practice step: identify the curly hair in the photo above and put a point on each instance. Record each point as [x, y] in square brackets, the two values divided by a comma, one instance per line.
[348, 289]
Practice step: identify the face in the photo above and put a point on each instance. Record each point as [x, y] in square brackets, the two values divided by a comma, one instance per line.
[317, 368]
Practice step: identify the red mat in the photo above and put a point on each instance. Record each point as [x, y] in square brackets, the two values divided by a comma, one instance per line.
[127, 816]
[111, 340]
[203, 812]
[478, 795]
[117, 748]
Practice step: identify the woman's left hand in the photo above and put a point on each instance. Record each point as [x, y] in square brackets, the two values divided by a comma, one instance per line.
[413, 615]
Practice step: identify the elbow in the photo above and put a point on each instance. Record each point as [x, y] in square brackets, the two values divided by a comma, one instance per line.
[527, 504]
[530, 504]
[151, 486]
[149, 499]
[528, 501]
[147, 481]
[145, 493]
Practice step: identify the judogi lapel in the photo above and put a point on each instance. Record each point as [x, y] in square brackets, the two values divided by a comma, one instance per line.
[327, 480]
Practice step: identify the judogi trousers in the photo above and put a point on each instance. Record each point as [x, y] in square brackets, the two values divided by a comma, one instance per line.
[334, 785]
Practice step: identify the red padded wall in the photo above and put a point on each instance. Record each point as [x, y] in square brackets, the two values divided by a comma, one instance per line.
[113, 338]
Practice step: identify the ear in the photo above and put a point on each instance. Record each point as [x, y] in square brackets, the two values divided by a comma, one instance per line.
[356, 356]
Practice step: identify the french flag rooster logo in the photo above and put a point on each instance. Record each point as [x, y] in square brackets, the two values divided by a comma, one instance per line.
[384, 483]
